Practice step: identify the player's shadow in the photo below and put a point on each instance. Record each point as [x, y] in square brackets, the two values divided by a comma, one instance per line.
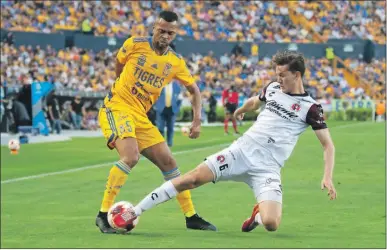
[144, 234]
[255, 234]
[283, 235]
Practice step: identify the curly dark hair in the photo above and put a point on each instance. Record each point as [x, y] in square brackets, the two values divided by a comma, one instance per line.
[168, 16]
[294, 60]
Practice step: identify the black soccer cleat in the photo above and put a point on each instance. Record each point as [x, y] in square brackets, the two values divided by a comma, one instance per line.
[102, 223]
[198, 223]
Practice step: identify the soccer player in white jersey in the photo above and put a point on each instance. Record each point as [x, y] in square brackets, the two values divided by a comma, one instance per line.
[257, 157]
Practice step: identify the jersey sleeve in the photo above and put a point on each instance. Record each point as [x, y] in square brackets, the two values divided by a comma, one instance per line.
[183, 75]
[125, 51]
[262, 95]
[315, 117]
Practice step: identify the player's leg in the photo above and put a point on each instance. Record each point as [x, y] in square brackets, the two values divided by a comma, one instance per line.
[161, 156]
[268, 192]
[195, 178]
[270, 214]
[224, 165]
[117, 127]
[234, 122]
[226, 119]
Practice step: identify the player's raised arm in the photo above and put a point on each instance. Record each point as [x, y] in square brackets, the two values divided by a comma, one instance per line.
[123, 55]
[315, 118]
[251, 104]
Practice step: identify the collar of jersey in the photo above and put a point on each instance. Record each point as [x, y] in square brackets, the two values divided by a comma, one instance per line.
[150, 40]
[304, 94]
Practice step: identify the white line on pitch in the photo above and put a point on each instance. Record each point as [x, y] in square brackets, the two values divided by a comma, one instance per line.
[99, 165]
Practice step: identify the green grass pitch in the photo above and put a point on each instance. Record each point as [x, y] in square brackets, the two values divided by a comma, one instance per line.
[58, 211]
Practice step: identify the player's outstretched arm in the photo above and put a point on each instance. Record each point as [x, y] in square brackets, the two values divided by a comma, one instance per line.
[193, 89]
[329, 161]
[251, 104]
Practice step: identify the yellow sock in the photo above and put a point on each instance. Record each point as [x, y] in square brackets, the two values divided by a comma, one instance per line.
[184, 198]
[117, 178]
[186, 204]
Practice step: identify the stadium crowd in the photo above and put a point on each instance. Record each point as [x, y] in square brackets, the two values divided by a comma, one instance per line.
[258, 21]
[85, 70]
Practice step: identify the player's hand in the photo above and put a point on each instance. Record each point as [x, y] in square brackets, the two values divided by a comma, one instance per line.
[239, 116]
[327, 183]
[194, 130]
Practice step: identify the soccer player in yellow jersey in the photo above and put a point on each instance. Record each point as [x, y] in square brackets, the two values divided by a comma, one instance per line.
[144, 66]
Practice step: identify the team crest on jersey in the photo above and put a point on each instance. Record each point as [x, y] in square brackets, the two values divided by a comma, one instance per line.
[220, 159]
[123, 50]
[141, 60]
[296, 107]
[167, 69]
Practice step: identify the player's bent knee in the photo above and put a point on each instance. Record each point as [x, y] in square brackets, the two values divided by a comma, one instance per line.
[131, 160]
[168, 162]
[271, 223]
[271, 226]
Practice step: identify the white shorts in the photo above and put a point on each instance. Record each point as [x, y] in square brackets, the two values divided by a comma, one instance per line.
[263, 176]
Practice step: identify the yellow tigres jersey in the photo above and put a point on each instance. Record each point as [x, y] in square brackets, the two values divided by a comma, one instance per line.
[145, 73]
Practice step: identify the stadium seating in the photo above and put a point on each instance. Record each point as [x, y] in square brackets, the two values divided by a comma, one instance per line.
[82, 70]
[213, 20]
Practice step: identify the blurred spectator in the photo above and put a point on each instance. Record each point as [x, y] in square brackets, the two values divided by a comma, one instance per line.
[9, 39]
[19, 114]
[237, 50]
[54, 112]
[78, 111]
[381, 111]
[90, 120]
[2, 97]
[212, 102]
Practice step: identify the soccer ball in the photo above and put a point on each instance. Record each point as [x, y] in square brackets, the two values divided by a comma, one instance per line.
[119, 208]
[185, 131]
[14, 145]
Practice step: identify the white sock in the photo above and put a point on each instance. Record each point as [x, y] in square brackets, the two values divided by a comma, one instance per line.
[161, 194]
[258, 218]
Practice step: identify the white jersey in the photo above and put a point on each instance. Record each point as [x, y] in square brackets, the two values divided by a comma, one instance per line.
[283, 119]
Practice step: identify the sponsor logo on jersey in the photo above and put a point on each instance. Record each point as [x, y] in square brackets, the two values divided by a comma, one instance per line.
[167, 69]
[270, 180]
[140, 96]
[278, 109]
